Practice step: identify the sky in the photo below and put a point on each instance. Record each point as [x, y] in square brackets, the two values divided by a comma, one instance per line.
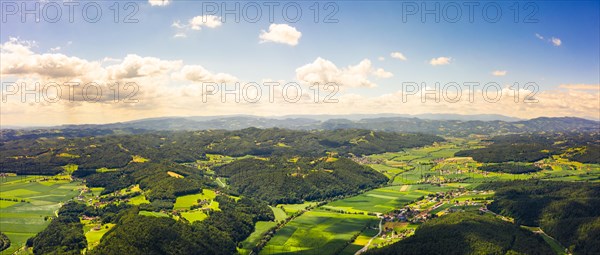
[74, 62]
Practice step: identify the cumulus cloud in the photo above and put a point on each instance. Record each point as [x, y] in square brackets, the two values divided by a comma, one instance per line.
[379, 72]
[195, 23]
[499, 73]
[159, 2]
[324, 71]
[398, 55]
[19, 59]
[440, 61]
[196, 73]
[281, 33]
[210, 21]
[556, 41]
[134, 66]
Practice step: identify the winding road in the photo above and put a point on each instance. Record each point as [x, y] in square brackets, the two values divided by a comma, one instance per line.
[371, 240]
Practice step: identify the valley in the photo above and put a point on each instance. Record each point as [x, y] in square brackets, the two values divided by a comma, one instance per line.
[297, 201]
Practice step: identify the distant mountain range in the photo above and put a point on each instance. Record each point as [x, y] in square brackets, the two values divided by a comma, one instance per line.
[439, 124]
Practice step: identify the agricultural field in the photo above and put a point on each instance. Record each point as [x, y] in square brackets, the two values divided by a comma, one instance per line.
[260, 229]
[94, 231]
[38, 199]
[318, 232]
[290, 209]
[385, 199]
[280, 215]
[187, 201]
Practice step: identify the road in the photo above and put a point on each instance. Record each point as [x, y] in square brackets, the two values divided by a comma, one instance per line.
[372, 238]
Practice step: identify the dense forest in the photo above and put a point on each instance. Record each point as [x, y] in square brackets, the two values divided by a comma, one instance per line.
[64, 235]
[135, 234]
[468, 233]
[218, 234]
[566, 211]
[49, 155]
[4, 242]
[533, 147]
[284, 180]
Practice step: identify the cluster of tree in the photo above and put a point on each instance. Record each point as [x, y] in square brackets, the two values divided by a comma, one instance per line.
[512, 168]
[64, 235]
[4, 242]
[533, 147]
[567, 211]
[162, 189]
[218, 234]
[49, 155]
[283, 180]
[589, 154]
[468, 233]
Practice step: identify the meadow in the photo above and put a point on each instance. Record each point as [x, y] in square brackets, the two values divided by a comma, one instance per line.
[39, 198]
[318, 232]
[385, 199]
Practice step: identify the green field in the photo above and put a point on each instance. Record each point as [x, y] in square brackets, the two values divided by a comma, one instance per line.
[317, 232]
[93, 236]
[196, 215]
[280, 215]
[154, 214]
[185, 202]
[290, 209]
[260, 229]
[383, 200]
[22, 220]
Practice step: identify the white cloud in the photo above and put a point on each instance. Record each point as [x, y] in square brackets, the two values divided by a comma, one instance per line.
[382, 73]
[134, 66]
[19, 60]
[159, 2]
[398, 55]
[499, 73]
[195, 23]
[381, 58]
[556, 41]
[324, 71]
[539, 36]
[180, 35]
[281, 33]
[440, 61]
[196, 73]
[210, 21]
[177, 24]
[553, 40]
[55, 49]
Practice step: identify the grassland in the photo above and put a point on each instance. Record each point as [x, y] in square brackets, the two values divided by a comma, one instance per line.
[385, 199]
[260, 229]
[318, 232]
[38, 199]
[187, 201]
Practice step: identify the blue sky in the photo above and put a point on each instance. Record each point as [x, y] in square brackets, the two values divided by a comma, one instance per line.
[365, 30]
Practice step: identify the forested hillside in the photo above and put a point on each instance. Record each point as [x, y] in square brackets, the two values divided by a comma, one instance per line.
[582, 147]
[285, 180]
[565, 210]
[50, 155]
[468, 233]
